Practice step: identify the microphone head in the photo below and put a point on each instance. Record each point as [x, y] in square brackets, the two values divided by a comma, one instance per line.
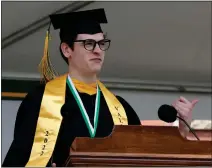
[167, 113]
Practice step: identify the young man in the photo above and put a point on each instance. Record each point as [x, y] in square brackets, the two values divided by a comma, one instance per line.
[73, 105]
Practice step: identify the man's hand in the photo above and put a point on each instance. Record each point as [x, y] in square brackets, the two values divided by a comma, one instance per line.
[184, 109]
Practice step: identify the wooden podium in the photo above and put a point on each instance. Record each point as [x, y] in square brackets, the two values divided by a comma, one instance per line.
[141, 146]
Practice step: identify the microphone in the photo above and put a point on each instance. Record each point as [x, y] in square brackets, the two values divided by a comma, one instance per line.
[168, 114]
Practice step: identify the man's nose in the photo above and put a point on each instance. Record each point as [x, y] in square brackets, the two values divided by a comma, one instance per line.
[97, 49]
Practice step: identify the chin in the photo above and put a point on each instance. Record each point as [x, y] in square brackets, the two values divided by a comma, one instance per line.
[96, 69]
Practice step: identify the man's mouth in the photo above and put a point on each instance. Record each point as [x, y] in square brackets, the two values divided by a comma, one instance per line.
[96, 59]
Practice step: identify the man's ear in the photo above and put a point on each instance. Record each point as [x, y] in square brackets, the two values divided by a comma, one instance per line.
[67, 51]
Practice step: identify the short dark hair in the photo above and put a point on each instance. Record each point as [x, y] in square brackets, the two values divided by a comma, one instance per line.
[69, 40]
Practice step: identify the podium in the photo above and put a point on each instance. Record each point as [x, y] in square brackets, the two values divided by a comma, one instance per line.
[141, 146]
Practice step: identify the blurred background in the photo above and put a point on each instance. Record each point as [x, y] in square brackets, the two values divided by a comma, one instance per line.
[159, 51]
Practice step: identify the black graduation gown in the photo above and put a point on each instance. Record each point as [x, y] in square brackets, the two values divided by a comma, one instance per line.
[72, 125]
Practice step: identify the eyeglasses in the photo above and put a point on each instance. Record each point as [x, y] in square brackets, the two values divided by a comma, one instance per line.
[90, 44]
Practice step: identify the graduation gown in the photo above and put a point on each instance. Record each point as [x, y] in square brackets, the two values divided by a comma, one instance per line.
[73, 125]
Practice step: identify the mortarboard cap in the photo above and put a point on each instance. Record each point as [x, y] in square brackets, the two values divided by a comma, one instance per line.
[81, 22]
[73, 19]
[71, 24]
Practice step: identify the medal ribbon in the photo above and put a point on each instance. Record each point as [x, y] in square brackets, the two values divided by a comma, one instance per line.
[91, 129]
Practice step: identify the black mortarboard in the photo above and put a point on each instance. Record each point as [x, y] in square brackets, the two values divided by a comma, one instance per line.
[82, 22]
[71, 24]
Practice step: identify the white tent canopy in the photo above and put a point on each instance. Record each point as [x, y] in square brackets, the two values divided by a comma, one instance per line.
[152, 42]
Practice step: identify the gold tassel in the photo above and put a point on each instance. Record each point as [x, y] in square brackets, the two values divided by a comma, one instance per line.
[45, 67]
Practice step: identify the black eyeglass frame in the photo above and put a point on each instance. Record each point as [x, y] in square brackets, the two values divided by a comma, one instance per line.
[95, 42]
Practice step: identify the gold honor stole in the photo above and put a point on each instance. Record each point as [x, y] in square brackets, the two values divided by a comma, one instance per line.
[50, 119]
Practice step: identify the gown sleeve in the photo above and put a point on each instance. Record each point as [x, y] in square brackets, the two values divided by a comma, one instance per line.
[25, 126]
[132, 116]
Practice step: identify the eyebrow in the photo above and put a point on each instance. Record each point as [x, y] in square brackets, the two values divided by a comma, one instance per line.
[91, 39]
